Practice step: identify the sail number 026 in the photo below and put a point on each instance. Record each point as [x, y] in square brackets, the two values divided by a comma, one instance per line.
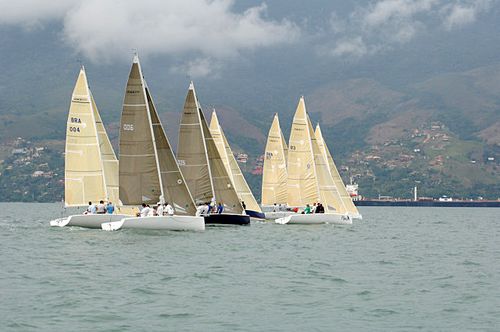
[128, 127]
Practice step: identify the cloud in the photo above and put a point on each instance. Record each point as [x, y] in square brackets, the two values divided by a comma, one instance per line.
[31, 13]
[460, 14]
[385, 24]
[194, 29]
[199, 67]
[352, 47]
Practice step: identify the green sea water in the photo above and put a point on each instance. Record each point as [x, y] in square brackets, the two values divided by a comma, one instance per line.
[404, 269]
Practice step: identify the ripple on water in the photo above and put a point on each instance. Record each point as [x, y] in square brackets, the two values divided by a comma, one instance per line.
[259, 278]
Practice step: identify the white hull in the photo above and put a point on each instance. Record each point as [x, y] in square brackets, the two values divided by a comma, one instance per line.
[173, 223]
[87, 220]
[279, 214]
[356, 216]
[316, 218]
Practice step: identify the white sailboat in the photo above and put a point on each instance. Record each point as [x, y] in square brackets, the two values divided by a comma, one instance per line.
[238, 180]
[274, 176]
[91, 167]
[309, 180]
[202, 165]
[345, 198]
[148, 169]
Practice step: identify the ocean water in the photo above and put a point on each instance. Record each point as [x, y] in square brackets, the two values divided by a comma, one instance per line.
[404, 269]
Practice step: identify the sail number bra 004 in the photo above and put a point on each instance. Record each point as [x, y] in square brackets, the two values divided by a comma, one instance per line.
[75, 121]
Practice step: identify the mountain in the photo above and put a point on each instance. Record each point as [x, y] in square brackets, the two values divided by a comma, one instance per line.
[376, 109]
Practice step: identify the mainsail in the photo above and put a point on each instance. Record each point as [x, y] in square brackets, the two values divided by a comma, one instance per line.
[274, 177]
[90, 162]
[231, 165]
[302, 179]
[200, 160]
[345, 198]
[148, 169]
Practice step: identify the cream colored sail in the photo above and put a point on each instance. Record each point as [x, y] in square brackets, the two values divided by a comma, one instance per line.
[200, 160]
[231, 165]
[285, 147]
[345, 198]
[223, 186]
[274, 176]
[174, 187]
[89, 157]
[302, 178]
[328, 193]
[109, 160]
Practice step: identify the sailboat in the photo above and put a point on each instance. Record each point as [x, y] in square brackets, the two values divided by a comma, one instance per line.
[274, 176]
[91, 167]
[345, 198]
[148, 169]
[238, 180]
[203, 168]
[309, 180]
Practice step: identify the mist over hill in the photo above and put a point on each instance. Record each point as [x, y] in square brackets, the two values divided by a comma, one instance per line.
[372, 73]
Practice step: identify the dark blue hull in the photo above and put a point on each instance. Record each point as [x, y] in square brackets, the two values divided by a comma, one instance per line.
[227, 219]
[428, 203]
[255, 214]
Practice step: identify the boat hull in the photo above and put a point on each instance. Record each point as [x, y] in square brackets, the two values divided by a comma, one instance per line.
[316, 218]
[255, 214]
[172, 223]
[227, 219]
[87, 220]
[279, 214]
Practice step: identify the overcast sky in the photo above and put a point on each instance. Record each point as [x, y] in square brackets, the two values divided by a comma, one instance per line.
[208, 32]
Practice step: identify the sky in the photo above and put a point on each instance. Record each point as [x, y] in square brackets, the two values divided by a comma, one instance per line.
[207, 34]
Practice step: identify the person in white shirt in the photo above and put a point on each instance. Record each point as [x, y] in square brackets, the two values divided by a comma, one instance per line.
[169, 209]
[201, 210]
[151, 211]
[101, 208]
[91, 209]
[145, 210]
[160, 209]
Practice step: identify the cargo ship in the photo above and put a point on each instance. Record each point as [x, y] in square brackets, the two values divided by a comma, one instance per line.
[443, 201]
[428, 203]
